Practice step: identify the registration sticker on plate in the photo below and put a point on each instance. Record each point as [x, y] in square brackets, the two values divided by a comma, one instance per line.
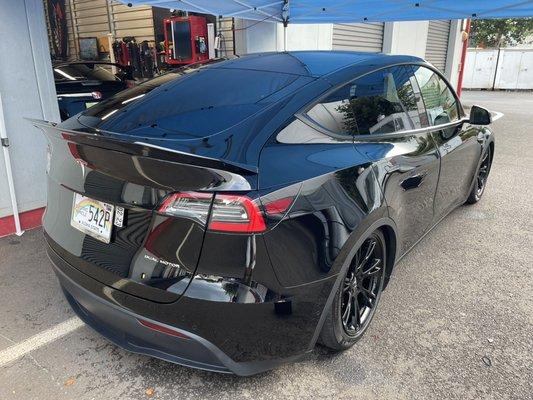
[92, 217]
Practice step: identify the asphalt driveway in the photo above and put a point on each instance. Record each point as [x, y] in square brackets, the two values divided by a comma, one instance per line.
[455, 322]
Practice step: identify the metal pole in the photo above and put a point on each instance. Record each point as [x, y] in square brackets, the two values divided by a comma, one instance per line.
[496, 68]
[285, 13]
[284, 37]
[5, 146]
[463, 57]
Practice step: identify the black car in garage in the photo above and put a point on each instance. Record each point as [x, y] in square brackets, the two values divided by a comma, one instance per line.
[82, 84]
[230, 216]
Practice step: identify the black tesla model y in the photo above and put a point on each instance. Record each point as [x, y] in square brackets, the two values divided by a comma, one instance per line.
[228, 216]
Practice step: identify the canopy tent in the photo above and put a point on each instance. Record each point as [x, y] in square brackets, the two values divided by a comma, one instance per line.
[323, 11]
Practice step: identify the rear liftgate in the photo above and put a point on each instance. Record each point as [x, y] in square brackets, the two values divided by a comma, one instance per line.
[134, 215]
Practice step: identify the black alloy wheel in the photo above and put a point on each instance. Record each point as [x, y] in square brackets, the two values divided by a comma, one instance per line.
[358, 295]
[361, 286]
[481, 178]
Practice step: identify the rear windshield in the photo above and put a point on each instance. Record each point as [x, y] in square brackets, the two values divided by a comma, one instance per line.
[83, 72]
[191, 104]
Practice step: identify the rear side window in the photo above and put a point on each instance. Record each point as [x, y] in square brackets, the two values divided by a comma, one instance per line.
[441, 104]
[385, 101]
[331, 113]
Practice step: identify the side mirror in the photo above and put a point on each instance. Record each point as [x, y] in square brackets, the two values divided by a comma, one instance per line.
[480, 116]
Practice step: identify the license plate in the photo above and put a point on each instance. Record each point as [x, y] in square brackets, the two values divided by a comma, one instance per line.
[93, 217]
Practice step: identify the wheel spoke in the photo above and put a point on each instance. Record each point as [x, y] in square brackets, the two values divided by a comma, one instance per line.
[347, 285]
[368, 294]
[368, 254]
[374, 269]
[346, 313]
[356, 312]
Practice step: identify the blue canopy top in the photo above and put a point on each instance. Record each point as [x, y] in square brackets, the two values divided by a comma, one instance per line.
[323, 11]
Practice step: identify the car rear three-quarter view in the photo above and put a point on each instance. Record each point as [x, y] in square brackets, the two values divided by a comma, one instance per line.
[228, 216]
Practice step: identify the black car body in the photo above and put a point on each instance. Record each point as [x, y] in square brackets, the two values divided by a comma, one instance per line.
[246, 188]
[82, 84]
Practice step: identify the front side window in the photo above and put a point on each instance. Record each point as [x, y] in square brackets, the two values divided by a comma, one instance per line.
[440, 101]
[385, 101]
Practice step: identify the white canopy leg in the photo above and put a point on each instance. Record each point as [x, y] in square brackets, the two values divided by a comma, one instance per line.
[285, 37]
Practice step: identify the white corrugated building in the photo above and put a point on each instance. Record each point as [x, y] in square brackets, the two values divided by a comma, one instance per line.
[437, 41]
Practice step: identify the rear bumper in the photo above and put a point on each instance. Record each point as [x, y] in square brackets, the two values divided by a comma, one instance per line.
[123, 329]
[102, 308]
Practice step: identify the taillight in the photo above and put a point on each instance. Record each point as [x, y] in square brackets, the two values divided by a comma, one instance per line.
[234, 213]
[230, 213]
[190, 205]
[96, 95]
[279, 206]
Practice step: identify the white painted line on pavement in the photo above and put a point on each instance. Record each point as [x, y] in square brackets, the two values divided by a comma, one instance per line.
[18, 350]
[497, 115]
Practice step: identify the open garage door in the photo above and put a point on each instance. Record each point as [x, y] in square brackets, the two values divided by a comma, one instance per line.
[358, 37]
[98, 18]
[437, 43]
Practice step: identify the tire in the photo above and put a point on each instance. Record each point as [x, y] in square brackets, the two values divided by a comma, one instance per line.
[482, 174]
[363, 281]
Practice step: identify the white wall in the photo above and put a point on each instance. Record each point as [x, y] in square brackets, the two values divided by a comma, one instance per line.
[27, 89]
[510, 68]
[406, 38]
[253, 37]
[306, 37]
[455, 48]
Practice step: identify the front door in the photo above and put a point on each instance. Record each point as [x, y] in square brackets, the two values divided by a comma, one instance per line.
[389, 111]
[457, 143]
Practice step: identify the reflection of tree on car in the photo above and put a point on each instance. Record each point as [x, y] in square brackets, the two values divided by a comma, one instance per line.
[379, 103]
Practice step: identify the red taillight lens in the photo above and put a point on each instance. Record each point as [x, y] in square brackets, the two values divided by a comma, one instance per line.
[233, 213]
[190, 205]
[96, 95]
[279, 206]
[230, 213]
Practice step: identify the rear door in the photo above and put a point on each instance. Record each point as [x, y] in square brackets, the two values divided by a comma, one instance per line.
[457, 142]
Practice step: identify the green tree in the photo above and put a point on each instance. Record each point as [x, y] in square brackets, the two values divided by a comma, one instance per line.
[500, 32]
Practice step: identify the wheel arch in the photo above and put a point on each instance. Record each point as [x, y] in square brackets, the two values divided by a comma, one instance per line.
[491, 147]
[388, 228]
[391, 246]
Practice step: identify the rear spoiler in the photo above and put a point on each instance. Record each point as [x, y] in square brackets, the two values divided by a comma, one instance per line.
[236, 175]
[144, 149]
